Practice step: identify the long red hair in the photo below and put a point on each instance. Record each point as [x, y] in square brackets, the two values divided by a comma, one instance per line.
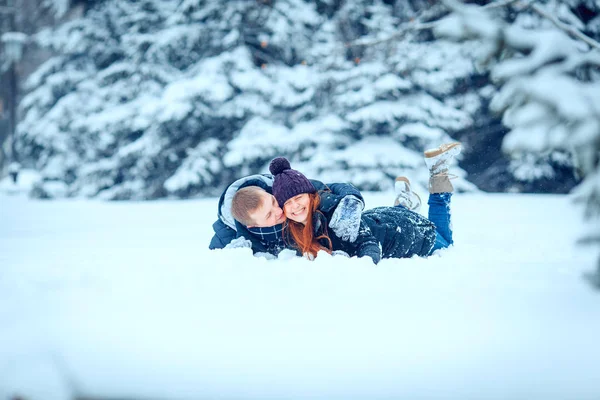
[303, 235]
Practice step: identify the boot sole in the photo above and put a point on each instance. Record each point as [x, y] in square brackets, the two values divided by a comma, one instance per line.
[440, 150]
[407, 182]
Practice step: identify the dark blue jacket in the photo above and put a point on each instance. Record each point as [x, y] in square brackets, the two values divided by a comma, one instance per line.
[385, 232]
[226, 228]
[365, 244]
[400, 232]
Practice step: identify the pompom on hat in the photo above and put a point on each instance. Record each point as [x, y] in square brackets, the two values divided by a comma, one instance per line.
[288, 182]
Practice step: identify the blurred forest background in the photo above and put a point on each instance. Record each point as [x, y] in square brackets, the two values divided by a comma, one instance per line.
[145, 99]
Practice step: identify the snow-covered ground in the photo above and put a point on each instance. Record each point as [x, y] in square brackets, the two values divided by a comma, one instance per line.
[124, 300]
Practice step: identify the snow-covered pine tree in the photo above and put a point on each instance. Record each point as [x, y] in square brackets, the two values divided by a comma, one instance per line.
[149, 99]
[548, 72]
[130, 99]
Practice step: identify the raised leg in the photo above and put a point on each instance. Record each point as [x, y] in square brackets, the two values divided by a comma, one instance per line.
[440, 189]
[440, 215]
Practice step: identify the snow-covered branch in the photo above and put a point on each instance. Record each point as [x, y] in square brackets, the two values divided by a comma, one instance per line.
[422, 22]
[401, 32]
[565, 27]
[153, 99]
[542, 98]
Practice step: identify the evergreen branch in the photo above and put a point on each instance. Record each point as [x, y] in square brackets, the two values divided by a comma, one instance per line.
[567, 28]
[412, 26]
[415, 25]
[454, 5]
[498, 4]
[7, 10]
[267, 57]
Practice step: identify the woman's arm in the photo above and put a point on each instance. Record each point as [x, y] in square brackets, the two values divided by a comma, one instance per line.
[366, 244]
[343, 204]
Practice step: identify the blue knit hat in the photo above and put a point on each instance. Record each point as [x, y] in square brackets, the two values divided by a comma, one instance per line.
[288, 182]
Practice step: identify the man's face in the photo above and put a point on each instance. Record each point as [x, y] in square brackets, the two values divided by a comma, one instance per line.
[268, 213]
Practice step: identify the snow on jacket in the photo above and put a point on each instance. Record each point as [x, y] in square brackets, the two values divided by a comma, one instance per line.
[385, 232]
[401, 233]
[365, 244]
[226, 228]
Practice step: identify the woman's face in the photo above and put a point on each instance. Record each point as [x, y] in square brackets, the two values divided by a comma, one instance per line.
[297, 208]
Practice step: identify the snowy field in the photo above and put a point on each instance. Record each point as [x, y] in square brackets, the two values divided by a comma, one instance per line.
[124, 300]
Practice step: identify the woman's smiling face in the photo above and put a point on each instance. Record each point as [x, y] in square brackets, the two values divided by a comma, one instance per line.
[297, 208]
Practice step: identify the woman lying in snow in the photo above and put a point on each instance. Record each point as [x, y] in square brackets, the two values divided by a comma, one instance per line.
[384, 232]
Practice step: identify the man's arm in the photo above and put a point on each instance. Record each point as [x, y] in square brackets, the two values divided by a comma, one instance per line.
[345, 189]
[223, 235]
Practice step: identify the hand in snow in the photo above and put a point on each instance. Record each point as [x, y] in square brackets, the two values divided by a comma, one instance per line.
[340, 253]
[267, 256]
[239, 243]
[345, 220]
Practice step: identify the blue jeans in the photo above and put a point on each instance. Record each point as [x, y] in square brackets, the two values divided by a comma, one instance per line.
[439, 214]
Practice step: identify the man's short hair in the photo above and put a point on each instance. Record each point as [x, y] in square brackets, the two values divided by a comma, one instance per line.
[246, 201]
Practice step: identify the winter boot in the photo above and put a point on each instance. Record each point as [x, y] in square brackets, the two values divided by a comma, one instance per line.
[441, 183]
[437, 161]
[405, 196]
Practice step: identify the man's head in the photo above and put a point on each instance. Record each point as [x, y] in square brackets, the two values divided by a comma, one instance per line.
[254, 207]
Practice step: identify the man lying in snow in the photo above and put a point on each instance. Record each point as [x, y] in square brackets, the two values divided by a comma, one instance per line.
[249, 215]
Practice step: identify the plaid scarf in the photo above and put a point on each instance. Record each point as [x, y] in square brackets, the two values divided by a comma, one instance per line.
[271, 236]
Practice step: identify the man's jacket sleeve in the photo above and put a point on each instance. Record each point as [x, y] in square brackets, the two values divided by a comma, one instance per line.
[223, 235]
[345, 189]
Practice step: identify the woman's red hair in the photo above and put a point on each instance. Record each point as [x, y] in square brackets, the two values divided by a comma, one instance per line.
[303, 235]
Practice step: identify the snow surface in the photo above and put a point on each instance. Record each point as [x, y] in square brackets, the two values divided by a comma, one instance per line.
[124, 300]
